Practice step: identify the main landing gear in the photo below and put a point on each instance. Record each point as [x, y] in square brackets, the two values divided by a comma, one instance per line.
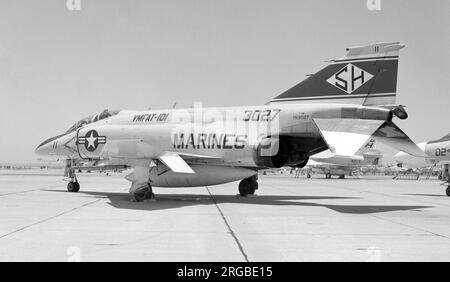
[142, 193]
[248, 186]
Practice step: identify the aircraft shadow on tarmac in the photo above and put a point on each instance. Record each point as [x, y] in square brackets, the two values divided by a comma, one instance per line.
[428, 195]
[173, 201]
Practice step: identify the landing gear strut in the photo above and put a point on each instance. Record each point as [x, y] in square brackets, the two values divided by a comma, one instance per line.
[248, 186]
[73, 186]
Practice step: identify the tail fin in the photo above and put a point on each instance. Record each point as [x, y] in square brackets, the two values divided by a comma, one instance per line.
[371, 155]
[366, 75]
[367, 147]
[443, 139]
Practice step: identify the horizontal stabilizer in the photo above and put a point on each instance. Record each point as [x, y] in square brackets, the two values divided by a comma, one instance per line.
[346, 136]
[176, 163]
[391, 135]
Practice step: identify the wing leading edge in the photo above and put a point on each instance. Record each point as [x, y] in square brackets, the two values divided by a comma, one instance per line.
[175, 163]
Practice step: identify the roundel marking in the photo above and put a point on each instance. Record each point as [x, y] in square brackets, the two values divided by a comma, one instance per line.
[91, 140]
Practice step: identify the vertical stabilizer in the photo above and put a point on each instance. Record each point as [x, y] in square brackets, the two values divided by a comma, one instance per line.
[366, 75]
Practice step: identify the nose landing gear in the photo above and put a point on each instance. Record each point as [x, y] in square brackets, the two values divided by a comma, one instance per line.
[73, 186]
[446, 177]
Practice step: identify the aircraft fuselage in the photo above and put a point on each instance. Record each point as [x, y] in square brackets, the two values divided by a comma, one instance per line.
[220, 136]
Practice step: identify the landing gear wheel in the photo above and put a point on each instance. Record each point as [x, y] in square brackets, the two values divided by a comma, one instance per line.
[245, 187]
[342, 176]
[308, 175]
[73, 187]
[328, 176]
[142, 193]
[254, 182]
[447, 191]
[248, 186]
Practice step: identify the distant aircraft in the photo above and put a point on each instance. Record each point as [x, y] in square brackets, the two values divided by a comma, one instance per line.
[437, 153]
[331, 164]
[352, 98]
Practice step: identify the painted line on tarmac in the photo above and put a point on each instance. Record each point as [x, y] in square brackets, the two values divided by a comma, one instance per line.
[31, 190]
[47, 219]
[230, 230]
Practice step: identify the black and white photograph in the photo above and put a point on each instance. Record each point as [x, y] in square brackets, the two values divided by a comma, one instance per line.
[224, 134]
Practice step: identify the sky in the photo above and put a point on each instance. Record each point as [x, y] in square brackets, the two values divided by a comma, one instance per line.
[58, 66]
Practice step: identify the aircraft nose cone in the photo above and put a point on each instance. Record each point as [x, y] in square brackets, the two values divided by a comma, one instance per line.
[43, 148]
[46, 147]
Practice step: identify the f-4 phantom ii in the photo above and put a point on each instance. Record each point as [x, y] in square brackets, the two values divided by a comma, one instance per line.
[350, 99]
[437, 153]
[331, 164]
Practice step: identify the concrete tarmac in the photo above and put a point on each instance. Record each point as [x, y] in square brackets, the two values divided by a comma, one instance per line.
[366, 219]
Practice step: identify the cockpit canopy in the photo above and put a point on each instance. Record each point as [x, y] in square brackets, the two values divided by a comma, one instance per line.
[91, 119]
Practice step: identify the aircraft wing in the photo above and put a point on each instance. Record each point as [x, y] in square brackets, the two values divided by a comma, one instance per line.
[127, 149]
[137, 149]
[189, 156]
[100, 167]
[175, 163]
[346, 136]
[179, 161]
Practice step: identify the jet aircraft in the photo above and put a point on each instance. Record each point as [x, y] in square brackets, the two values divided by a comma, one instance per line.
[437, 153]
[330, 164]
[346, 102]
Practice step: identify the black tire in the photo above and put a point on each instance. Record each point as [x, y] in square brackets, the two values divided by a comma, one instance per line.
[308, 176]
[143, 193]
[73, 187]
[447, 191]
[328, 176]
[253, 189]
[255, 185]
[342, 176]
[246, 188]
